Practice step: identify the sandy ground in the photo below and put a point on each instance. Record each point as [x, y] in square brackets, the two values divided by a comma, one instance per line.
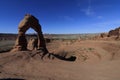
[95, 60]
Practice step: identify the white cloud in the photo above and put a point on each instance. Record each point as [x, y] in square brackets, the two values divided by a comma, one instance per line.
[88, 11]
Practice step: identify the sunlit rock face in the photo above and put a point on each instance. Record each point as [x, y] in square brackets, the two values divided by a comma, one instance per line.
[29, 21]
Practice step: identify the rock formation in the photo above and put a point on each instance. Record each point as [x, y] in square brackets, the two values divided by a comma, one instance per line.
[29, 21]
[115, 32]
[103, 35]
[32, 44]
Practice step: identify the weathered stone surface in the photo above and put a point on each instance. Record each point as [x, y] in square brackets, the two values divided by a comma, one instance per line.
[29, 21]
[32, 44]
[115, 32]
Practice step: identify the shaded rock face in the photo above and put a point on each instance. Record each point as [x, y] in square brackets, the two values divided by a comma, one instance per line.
[115, 32]
[29, 21]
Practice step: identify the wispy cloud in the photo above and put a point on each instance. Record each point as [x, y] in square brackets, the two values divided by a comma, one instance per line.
[88, 11]
[100, 17]
[66, 18]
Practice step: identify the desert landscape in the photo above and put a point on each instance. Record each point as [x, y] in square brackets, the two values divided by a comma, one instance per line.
[60, 40]
[84, 58]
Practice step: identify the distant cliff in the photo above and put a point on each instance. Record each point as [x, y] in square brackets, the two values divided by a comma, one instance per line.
[115, 32]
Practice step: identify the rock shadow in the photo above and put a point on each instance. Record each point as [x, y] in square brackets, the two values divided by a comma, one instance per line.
[12, 79]
[71, 58]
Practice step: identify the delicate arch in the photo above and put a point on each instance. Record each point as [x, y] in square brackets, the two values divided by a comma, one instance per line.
[29, 21]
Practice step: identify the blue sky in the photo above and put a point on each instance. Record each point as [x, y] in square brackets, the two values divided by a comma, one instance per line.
[62, 16]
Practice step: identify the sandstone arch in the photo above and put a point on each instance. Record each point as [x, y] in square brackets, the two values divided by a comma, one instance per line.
[29, 21]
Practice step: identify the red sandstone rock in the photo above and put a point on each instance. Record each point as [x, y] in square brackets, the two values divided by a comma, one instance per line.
[29, 21]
